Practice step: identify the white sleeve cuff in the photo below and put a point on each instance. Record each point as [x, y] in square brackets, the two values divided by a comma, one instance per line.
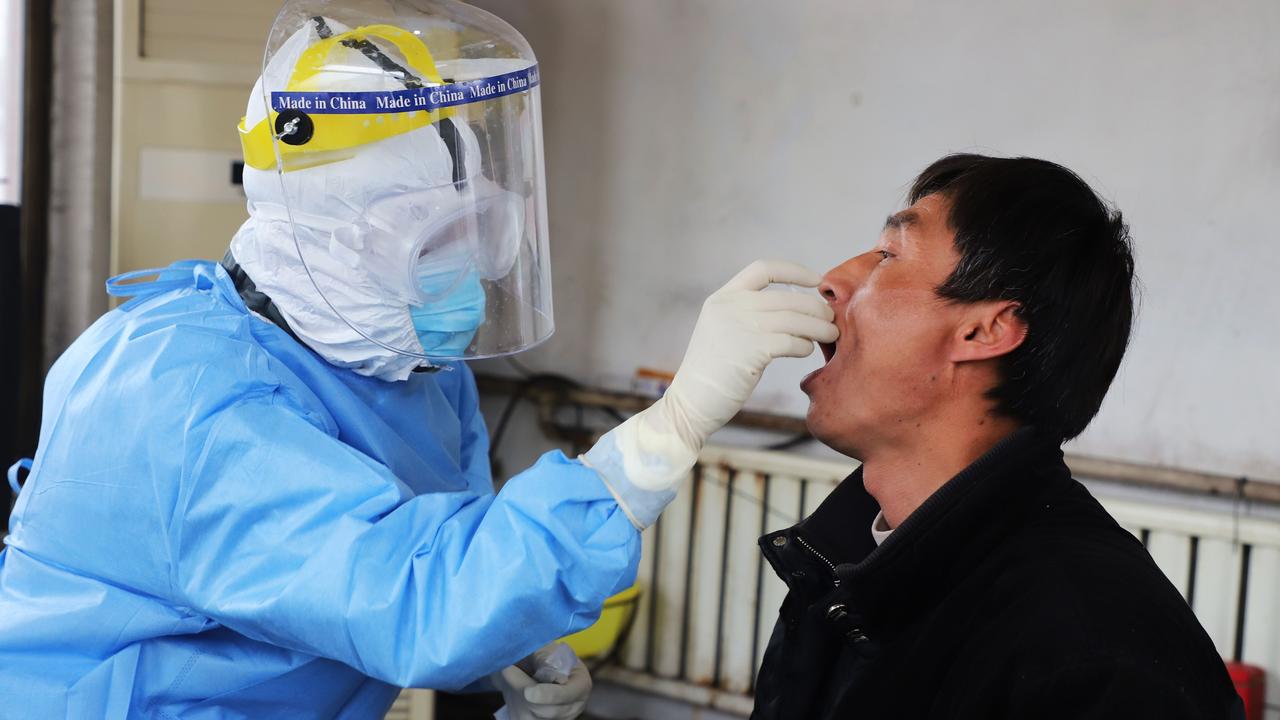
[641, 505]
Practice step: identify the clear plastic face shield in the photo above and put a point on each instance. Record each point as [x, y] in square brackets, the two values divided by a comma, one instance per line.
[408, 141]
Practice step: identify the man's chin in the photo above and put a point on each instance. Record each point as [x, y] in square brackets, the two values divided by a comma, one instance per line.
[833, 430]
[817, 422]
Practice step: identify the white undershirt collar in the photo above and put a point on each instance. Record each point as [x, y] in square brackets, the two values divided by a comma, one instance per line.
[879, 528]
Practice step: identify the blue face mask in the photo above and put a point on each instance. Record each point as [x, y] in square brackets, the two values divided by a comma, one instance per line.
[447, 325]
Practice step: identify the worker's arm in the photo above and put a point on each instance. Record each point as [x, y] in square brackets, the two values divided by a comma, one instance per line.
[742, 328]
[306, 543]
[459, 386]
[287, 535]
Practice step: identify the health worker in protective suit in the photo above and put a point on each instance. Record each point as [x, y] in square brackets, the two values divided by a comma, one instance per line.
[262, 486]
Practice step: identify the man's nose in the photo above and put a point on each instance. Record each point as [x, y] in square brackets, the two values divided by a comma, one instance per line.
[839, 284]
[827, 288]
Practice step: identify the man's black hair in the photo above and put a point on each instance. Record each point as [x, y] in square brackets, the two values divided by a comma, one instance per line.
[1033, 232]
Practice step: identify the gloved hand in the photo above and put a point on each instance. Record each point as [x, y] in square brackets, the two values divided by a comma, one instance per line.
[743, 327]
[551, 684]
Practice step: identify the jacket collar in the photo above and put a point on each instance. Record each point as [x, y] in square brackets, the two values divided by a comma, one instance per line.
[939, 543]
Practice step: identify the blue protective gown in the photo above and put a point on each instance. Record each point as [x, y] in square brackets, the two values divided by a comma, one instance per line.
[221, 524]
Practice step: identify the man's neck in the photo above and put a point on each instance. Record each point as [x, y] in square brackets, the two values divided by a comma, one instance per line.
[903, 475]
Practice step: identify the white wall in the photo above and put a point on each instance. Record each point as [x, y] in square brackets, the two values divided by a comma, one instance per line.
[688, 137]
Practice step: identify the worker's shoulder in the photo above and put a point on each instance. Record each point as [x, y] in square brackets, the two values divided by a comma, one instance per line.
[166, 342]
[206, 307]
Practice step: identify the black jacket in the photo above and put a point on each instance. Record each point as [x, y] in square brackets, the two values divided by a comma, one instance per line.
[1010, 593]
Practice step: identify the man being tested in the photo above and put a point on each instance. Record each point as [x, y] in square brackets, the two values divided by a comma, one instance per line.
[961, 572]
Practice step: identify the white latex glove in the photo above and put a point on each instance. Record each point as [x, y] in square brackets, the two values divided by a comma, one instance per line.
[743, 327]
[551, 684]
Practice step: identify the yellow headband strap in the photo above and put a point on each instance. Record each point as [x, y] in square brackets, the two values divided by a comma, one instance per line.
[335, 136]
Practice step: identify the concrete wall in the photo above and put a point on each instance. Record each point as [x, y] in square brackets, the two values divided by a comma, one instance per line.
[688, 137]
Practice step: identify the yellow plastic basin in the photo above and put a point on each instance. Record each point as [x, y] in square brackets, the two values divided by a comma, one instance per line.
[599, 639]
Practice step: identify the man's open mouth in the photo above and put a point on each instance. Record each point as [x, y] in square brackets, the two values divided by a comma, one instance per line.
[828, 351]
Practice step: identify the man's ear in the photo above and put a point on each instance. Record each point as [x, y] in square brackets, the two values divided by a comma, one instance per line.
[992, 329]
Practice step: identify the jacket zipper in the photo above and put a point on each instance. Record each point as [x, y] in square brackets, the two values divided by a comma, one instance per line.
[820, 556]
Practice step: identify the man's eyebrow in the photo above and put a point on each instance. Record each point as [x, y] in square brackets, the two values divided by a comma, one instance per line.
[902, 219]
